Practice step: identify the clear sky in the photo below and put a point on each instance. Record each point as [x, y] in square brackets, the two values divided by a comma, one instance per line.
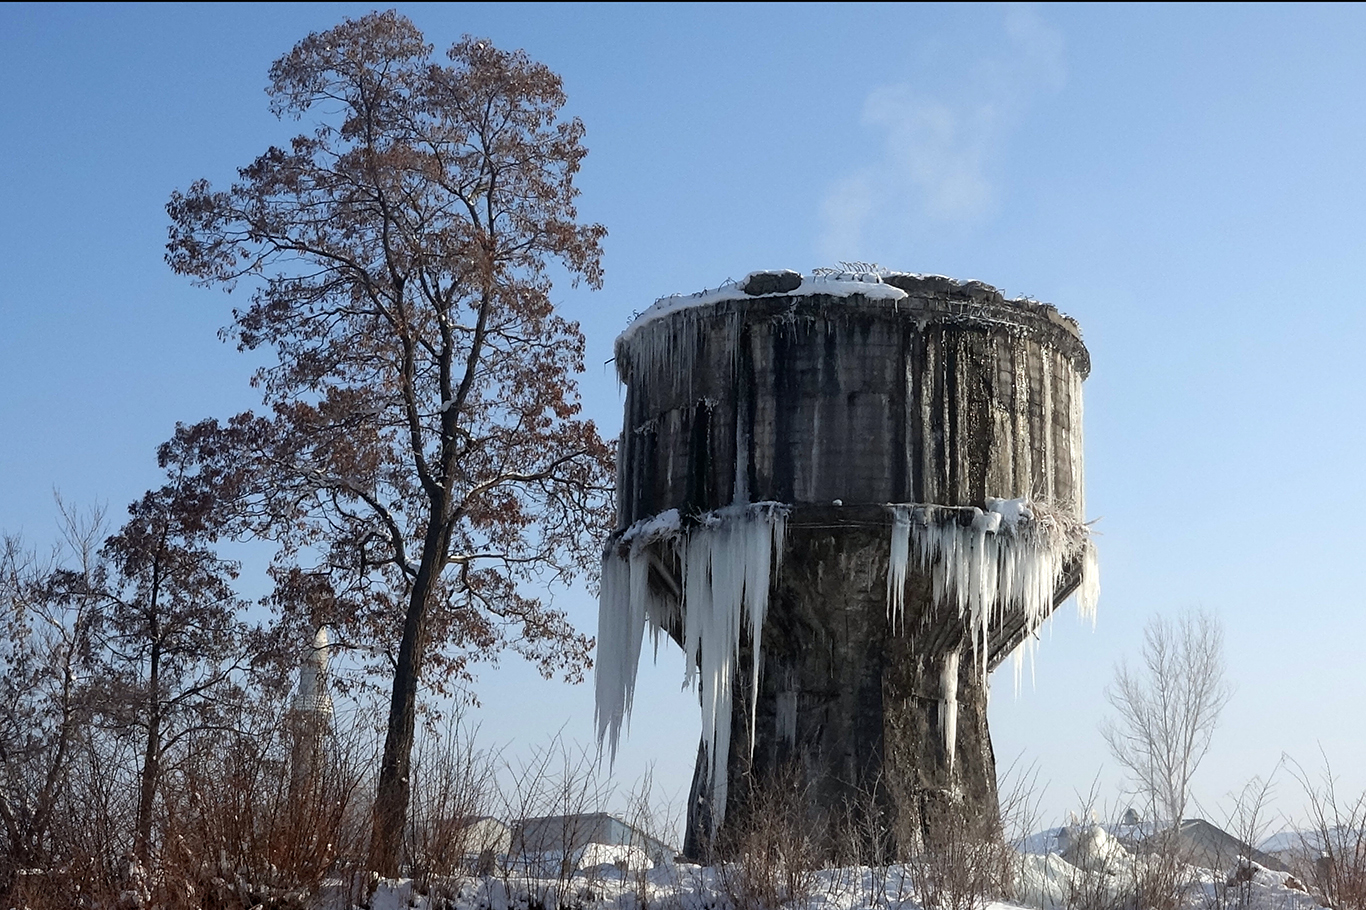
[1187, 181]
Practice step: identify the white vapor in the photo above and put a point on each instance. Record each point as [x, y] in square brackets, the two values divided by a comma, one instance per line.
[938, 149]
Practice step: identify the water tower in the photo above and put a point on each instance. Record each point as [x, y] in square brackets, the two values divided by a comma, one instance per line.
[848, 497]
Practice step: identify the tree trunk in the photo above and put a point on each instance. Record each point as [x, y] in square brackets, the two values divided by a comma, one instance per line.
[151, 765]
[395, 786]
[391, 796]
[151, 768]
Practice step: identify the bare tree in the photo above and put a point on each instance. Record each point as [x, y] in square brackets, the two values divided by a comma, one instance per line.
[424, 435]
[1168, 708]
[1332, 851]
[48, 607]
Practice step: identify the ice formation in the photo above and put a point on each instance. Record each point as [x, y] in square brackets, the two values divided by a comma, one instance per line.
[949, 705]
[1010, 556]
[727, 561]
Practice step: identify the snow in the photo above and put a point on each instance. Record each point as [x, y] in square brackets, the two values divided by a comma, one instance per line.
[832, 284]
[728, 560]
[1096, 871]
[548, 864]
[847, 280]
[1010, 556]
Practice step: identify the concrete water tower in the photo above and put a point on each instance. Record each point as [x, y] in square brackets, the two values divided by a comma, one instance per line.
[848, 496]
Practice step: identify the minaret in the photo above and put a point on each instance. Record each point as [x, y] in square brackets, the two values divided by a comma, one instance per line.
[311, 714]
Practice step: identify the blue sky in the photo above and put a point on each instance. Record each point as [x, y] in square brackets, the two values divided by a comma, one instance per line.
[1186, 181]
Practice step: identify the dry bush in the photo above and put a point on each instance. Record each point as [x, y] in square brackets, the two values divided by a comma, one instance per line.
[1106, 875]
[560, 786]
[451, 834]
[654, 820]
[1162, 875]
[1098, 878]
[863, 836]
[1333, 848]
[772, 846]
[248, 826]
[239, 827]
[964, 862]
[88, 855]
[1246, 819]
[1019, 796]
[1146, 870]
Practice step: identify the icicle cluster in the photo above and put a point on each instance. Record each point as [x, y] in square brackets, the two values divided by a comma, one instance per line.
[728, 560]
[627, 606]
[1010, 557]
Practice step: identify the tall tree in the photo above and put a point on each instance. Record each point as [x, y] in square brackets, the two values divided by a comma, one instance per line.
[424, 432]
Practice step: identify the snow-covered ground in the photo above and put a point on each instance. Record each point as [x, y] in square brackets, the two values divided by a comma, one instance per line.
[1079, 868]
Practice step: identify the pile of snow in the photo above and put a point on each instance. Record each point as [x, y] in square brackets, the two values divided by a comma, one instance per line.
[1086, 864]
[847, 279]
[551, 863]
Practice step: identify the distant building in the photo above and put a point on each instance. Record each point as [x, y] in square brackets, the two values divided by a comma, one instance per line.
[1213, 848]
[587, 839]
[1199, 843]
[483, 839]
[484, 833]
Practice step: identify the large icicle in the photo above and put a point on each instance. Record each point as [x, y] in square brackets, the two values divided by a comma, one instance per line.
[1011, 556]
[896, 567]
[949, 690]
[618, 653]
[727, 560]
[626, 607]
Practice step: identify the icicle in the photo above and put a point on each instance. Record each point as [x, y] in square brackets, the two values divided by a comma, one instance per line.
[729, 566]
[761, 566]
[617, 656]
[1010, 557]
[1088, 592]
[896, 565]
[728, 562]
[948, 682]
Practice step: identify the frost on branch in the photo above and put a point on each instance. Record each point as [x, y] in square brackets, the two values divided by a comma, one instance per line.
[727, 562]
